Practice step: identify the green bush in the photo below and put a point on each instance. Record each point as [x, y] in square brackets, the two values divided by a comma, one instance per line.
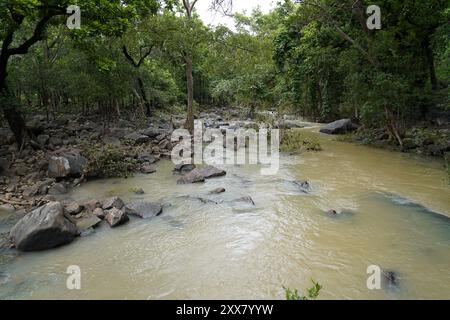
[107, 162]
[294, 140]
[312, 293]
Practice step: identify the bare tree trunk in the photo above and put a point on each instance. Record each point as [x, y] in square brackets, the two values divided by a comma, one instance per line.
[189, 125]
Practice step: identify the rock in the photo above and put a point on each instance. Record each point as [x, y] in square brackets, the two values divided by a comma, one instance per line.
[191, 177]
[138, 191]
[36, 124]
[100, 213]
[116, 217]
[58, 167]
[9, 208]
[148, 168]
[55, 141]
[44, 228]
[137, 138]
[436, 150]
[409, 144]
[164, 144]
[43, 139]
[332, 212]
[89, 221]
[114, 202]
[183, 168]
[4, 165]
[339, 127]
[91, 205]
[210, 172]
[291, 124]
[144, 209]
[86, 232]
[39, 188]
[76, 163]
[389, 279]
[57, 189]
[151, 132]
[73, 208]
[217, 191]
[303, 185]
[146, 157]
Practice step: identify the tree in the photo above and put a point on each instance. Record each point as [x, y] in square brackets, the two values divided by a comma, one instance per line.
[19, 16]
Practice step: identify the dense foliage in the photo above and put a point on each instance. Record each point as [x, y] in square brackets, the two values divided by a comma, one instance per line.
[314, 57]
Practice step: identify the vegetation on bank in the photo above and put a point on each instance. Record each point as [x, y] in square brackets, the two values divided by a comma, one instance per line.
[107, 161]
[295, 141]
[312, 293]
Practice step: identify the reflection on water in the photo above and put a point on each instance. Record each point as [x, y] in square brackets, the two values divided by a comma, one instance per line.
[218, 249]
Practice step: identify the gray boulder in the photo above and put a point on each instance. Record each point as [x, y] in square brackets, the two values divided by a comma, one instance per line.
[114, 202]
[183, 168]
[87, 222]
[144, 209]
[116, 217]
[191, 177]
[68, 164]
[339, 127]
[44, 228]
[43, 139]
[211, 172]
[57, 189]
[137, 138]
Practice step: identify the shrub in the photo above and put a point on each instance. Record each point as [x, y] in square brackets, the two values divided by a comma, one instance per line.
[312, 293]
[107, 162]
[294, 140]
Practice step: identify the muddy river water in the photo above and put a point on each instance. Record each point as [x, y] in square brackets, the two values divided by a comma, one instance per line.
[394, 209]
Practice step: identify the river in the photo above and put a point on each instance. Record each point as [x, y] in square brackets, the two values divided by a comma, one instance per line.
[393, 206]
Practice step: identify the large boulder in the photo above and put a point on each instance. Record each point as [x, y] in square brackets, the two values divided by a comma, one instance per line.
[44, 228]
[70, 163]
[339, 127]
[144, 209]
[191, 177]
[200, 174]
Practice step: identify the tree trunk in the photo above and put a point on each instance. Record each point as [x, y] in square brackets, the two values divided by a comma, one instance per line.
[144, 97]
[8, 104]
[190, 95]
[431, 65]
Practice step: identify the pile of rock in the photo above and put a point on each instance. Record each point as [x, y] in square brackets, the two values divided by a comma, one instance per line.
[55, 223]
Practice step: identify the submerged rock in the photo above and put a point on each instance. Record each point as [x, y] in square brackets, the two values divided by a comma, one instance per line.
[144, 209]
[148, 169]
[217, 191]
[390, 280]
[43, 228]
[201, 174]
[339, 127]
[116, 217]
[243, 203]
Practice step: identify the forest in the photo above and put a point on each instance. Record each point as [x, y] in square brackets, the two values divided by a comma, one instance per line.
[353, 96]
[315, 58]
